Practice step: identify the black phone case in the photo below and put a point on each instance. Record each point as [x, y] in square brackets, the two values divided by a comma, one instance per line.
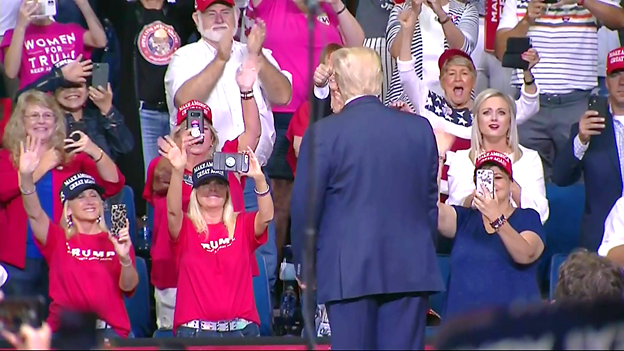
[518, 45]
[119, 215]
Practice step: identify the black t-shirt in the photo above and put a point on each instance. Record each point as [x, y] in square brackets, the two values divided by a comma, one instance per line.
[156, 42]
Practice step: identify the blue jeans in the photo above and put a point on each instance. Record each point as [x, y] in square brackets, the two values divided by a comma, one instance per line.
[269, 249]
[32, 281]
[154, 124]
[251, 330]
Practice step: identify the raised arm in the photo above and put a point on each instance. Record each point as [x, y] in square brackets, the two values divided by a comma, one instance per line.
[177, 158]
[447, 215]
[117, 134]
[510, 27]
[263, 192]
[13, 55]
[413, 86]
[350, 30]
[30, 154]
[95, 37]
[246, 78]
[395, 33]
[464, 35]
[106, 168]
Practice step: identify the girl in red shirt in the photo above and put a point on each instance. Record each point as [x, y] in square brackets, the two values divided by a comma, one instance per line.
[38, 115]
[90, 268]
[213, 246]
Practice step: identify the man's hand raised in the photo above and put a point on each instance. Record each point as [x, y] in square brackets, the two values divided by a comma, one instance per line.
[591, 124]
[225, 45]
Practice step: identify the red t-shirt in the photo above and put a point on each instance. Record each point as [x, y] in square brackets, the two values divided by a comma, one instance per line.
[163, 274]
[215, 272]
[297, 127]
[84, 276]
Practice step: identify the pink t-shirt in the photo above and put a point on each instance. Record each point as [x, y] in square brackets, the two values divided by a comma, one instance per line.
[287, 37]
[45, 47]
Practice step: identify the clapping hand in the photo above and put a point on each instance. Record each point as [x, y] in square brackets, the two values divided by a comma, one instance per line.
[255, 171]
[102, 98]
[30, 153]
[122, 242]
[486, 204]
[169, 150]
[224, 47]
[247, 74]
[83, 144]
[531, 57]
[255, 39]
[77, 71]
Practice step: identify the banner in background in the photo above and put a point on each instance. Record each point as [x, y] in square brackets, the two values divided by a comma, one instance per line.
[493, 10]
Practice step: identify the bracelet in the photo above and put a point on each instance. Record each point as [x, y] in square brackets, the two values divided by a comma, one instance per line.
[344, 7]
[441, 159]
[448, 18]
[125, 265]
[531, 82]
[101, 155]
[27, 192]
[263, 193]
[247, 95]
[498, 222]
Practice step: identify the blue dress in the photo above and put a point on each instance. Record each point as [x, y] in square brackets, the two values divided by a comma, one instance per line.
[482, 273]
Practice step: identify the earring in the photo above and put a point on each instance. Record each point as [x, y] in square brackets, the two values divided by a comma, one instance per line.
[70, 223]
[99, 219]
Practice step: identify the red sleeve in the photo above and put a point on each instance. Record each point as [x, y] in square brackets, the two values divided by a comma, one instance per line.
[299, 122]
[87, 165]
[6, 42]
[56, 234]
[231, 146]
[9, 184]
[248, 220]
[147, 190]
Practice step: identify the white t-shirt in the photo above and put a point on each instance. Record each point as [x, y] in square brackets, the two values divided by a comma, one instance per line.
[224, 100]
[614, 229]
[9, 9]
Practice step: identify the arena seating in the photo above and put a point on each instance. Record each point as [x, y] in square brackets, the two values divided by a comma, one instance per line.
[138, 304]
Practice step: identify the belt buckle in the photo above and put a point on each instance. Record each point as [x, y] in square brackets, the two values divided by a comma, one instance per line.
[223, 326]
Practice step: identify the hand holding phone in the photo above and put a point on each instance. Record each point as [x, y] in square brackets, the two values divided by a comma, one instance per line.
[590, 124]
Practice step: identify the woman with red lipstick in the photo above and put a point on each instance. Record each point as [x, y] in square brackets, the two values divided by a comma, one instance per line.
[452, 110]
[495, 129]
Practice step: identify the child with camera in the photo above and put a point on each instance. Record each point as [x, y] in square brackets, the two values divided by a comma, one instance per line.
[213, 247]
[38, 43]
[195, 132]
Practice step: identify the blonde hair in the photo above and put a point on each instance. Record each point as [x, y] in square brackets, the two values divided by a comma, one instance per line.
[476, 142]
[197, 218]
[70, 231]
[458, 61]
[176, 135]
[14, 132]
[357, 71]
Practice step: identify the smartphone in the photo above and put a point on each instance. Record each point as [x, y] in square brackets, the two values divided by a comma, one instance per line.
[45, 8]
[119, 215]
[485, 177]
[551, 1]
[233, 162]
[195, 123]
[17, 311]
[99, 77]
[73, 126]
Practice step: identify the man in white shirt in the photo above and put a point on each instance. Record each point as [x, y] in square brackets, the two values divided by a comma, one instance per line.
[612, 246]
[565, 36]
[206, 71]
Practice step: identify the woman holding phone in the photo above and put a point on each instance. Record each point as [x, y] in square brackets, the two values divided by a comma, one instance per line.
[90, 268]
[213, 246]
[496, 246]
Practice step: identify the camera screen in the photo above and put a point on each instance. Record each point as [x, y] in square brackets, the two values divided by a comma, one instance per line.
[195, 114]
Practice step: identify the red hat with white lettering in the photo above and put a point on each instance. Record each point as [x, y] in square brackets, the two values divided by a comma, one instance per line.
[202, 5]
[450, 53]
[189, 107]
[494, 157]
[615, 60]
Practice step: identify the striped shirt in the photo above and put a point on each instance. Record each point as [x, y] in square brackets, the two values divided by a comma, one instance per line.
[464, 15]
[567, 41]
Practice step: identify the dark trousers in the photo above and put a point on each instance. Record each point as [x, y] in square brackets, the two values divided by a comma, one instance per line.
[379, 322]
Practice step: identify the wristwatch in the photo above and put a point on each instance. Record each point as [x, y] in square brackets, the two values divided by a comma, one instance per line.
[498, 222]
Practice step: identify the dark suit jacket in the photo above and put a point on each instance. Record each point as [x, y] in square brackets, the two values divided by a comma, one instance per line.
[375, 202]
[603, 183]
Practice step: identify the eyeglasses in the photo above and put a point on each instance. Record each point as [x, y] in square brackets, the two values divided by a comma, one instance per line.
[36, 117]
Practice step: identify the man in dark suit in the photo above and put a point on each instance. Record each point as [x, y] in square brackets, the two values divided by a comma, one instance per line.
[596, 148]
[375, 209]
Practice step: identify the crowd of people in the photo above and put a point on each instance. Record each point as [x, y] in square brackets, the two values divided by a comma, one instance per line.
[69, 147]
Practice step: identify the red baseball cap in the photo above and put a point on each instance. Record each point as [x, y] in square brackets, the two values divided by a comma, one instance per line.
[615, 60]
[450, 53]
[202, 5]
[193, 105]
[498, 158]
